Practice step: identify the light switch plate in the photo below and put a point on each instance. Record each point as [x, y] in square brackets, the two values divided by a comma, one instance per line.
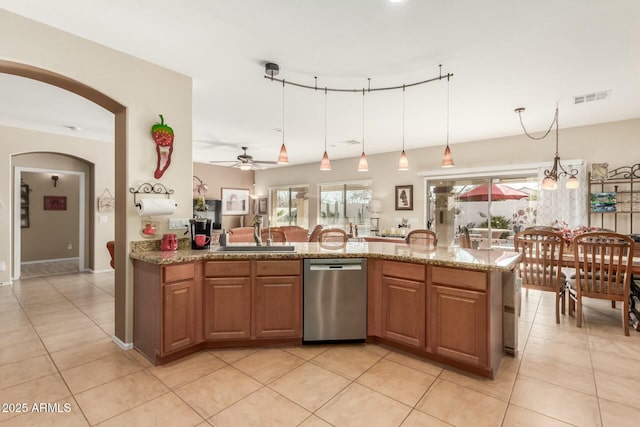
[178, 223]
[102, 219]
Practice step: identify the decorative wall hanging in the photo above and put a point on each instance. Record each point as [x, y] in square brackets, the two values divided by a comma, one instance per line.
[106, 202]
[24, 205]
[153, 206]
[163, 136]
[235, 201]
[55, 203]
[404, 197]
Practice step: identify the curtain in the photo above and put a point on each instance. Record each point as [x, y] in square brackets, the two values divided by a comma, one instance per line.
[563, 204]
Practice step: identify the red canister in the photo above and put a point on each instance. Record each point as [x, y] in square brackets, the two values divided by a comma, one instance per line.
[169, 242]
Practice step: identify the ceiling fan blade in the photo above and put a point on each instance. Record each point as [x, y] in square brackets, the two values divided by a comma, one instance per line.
[222, 161]
[266, 162]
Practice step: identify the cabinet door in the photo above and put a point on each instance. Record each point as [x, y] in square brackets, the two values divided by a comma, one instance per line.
[458, 324]
[403, 311]
[227, 308]
[178, 308]
[278, 310]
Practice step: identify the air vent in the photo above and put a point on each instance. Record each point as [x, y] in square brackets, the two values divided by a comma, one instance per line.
[590, 97]
[351, 142]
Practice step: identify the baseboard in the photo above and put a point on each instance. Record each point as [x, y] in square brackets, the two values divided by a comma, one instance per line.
[122, 345]
[9, 283]
[106, 270]
[50, 260]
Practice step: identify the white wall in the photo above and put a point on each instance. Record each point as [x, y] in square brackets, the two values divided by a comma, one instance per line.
[615, 143]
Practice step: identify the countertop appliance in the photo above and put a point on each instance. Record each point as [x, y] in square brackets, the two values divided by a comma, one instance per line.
[335, 300]
[200, 229]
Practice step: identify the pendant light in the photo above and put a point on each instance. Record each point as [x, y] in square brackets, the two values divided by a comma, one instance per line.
[447, 159]
[283, 157]
[550, 181]
[363, 166]
[403, 163]
[325, 164]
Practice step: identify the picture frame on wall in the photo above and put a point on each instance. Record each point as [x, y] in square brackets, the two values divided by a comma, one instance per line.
[235, 201]
[55, 203]
[404, 197]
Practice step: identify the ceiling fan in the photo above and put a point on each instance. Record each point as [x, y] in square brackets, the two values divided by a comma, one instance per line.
[245, 161]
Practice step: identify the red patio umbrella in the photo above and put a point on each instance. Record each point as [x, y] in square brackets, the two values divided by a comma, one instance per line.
[498, 192]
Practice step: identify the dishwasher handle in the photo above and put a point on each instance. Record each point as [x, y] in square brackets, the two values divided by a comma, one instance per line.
[327, 267]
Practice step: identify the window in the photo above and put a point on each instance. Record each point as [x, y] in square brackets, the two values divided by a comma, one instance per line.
[345, 203]
[289, 206]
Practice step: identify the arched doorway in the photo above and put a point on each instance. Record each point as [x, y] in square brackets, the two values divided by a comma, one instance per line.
[120, 139]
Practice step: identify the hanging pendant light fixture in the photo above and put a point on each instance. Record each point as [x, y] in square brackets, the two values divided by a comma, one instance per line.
[403, 163]
[550, 180]
[283, 157]
[363, 166]
[447, 159]
[325, 164]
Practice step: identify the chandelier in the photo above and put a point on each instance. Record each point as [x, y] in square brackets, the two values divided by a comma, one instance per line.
[550, 181]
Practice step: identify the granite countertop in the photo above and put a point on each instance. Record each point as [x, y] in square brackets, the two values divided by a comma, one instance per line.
[473, 259]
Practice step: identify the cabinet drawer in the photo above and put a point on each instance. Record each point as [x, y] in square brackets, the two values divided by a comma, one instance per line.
[173, 273]
[227, 269]
[475, 280]
[403, 270]
[278, 268]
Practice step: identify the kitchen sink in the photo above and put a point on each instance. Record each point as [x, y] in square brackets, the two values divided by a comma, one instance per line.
[253, 248]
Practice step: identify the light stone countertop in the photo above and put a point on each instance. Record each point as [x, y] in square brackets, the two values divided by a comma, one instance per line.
[471, 259]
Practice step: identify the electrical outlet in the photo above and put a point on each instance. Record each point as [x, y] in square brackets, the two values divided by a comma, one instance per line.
[69, 246]
[102, 219]
[2, 266]
[178, 223]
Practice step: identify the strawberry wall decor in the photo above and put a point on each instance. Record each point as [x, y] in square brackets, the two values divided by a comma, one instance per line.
[163, 136]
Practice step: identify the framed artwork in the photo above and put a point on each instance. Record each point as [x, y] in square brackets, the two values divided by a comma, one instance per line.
[106, 202]
[24, 194]
[24, 217]
[261, 205]
[55, 203]
[599, 171]
[235, 201]
[404, 197]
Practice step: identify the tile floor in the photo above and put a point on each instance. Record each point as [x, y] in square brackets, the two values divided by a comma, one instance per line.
[56, 349]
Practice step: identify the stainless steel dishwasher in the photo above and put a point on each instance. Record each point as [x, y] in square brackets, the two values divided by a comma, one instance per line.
[335, 300]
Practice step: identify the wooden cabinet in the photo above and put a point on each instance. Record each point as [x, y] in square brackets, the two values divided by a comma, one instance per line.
[252, 299]
[403, 303]
[227, 300]
[458, 315]
[178, 313]
[167, 313]
[278, 299]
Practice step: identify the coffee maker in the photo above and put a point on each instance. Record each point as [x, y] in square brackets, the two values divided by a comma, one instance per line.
[200, 229]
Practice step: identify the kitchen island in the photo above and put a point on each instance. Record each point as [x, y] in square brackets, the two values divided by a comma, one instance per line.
[446, 304]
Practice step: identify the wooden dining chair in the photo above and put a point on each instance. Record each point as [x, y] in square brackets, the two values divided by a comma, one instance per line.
[603, 270]
[333, 238]
[465, 239]
[541, 264]
[315, 233]
[541, 228]
[276, 235]
[422, 238]
[111, 249]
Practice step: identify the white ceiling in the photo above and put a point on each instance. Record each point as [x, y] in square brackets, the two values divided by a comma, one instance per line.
[503, 54]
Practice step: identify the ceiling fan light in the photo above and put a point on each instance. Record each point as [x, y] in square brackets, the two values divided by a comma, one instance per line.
[447, 159]
[549, 184]
[403, 163]
[245, 166]
[573, 183]
[283, 157]
[363, 166]
[325, 164]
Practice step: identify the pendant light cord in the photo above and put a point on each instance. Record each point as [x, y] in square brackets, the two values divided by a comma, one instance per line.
[448, 112]
[403, 118]
[325, 119]
[283, 83]
[363, 120]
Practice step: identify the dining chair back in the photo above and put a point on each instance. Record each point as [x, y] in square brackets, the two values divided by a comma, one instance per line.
[315, 233]
[465, 239]
[422, 238]
[111, 249]
[333, 238]
[541, 264]
[603, 263]
[541, 228]
[276, 235]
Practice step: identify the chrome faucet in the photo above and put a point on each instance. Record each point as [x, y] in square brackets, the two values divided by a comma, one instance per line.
[257, 229]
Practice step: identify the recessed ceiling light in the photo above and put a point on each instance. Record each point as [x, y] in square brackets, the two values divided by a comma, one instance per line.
[396, 1]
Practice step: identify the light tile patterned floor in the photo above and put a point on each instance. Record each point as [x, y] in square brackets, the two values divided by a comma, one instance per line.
[56, 348]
